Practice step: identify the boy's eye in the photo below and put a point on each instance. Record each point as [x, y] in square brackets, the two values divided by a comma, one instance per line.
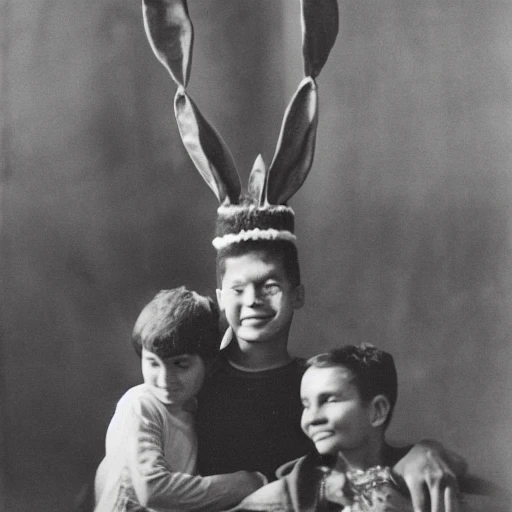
[182, 363]
[271, 288]
[237, 290]
[332, 399]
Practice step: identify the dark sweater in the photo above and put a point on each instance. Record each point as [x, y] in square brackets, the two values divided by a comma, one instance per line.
[250, 420]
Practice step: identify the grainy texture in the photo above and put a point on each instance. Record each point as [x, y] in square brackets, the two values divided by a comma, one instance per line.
[403, 223]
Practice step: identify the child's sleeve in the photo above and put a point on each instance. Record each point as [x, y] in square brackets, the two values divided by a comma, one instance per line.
[157, 486]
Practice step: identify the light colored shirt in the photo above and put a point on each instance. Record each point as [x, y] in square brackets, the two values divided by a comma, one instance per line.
[150, 460]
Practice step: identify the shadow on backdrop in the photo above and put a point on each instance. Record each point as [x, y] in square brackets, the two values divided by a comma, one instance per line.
[403, 224]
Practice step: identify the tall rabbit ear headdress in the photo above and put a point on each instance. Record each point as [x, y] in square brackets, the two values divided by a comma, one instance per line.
[262, 213]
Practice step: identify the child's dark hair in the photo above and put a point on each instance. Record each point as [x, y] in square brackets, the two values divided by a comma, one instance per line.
[283, 250]
[176, 322]
[373, 370]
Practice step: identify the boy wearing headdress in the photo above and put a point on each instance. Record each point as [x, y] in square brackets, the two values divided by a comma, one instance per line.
[249, 408]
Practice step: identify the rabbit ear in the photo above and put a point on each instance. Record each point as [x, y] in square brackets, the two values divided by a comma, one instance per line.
[257, 180]
[296, 145]
[171, 35]
[319, 31]
[207, 150]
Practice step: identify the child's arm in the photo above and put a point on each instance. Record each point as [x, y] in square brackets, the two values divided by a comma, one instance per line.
[431, 472]
[157, 486]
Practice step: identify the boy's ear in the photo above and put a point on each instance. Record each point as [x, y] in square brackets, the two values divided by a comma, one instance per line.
[219, 299]
[379, 410]
[299, 296]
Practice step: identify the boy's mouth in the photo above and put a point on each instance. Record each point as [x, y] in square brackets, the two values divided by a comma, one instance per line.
[320, 436]
[255, 319]
[166, 395]
[170, 391]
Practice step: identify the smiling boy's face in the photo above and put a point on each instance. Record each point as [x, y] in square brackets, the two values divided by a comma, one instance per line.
[258, 298]
[173, 380]
[335, 417]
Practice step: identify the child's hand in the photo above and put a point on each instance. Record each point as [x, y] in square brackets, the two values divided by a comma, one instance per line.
[430, 472]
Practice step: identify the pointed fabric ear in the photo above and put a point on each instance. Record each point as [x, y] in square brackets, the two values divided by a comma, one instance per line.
[319, 31]
[257, 179]
[171, 35]
[296, 145]
[207, 150]
[227, 338]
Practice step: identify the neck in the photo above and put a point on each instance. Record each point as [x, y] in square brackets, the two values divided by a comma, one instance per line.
[372, 454]
[258, 357]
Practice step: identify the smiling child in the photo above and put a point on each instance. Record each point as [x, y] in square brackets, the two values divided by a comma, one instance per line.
[151, 445]
[348, 397]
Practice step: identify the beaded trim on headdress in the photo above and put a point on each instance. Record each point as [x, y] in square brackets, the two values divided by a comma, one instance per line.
[261, 213]
[221, 242]
[240, 223]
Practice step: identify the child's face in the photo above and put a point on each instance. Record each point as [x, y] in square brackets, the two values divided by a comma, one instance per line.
[258, 298]
[335, 417]
[174, 380]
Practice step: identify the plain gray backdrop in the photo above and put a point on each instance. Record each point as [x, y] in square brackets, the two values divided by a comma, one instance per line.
[404, 224]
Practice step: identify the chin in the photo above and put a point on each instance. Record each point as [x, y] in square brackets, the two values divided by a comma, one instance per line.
[325, 448]
[251, 336]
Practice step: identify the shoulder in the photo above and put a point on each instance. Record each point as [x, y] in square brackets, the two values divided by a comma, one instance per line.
[134, 395]
[296, 488]
[299, 365]
[305, 465]
[273, 496]
[288, 467]
[138, 401]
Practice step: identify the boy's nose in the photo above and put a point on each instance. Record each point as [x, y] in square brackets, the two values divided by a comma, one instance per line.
[251, 296]
[165, 378]
[314, 416]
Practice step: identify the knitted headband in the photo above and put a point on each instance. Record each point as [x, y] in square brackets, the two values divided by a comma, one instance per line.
[261, 213]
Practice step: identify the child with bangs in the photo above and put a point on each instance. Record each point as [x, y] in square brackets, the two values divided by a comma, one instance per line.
[151, 446]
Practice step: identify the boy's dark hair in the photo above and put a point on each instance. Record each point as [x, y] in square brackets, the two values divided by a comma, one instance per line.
[283, 250]
[176, 322]
[373, 370]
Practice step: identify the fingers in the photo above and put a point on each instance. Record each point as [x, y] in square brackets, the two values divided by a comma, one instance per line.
[444, 499]
[430, 477]
[451, 499]
[436, 498]
[418, 493]
[434, 495]
[443, 494]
